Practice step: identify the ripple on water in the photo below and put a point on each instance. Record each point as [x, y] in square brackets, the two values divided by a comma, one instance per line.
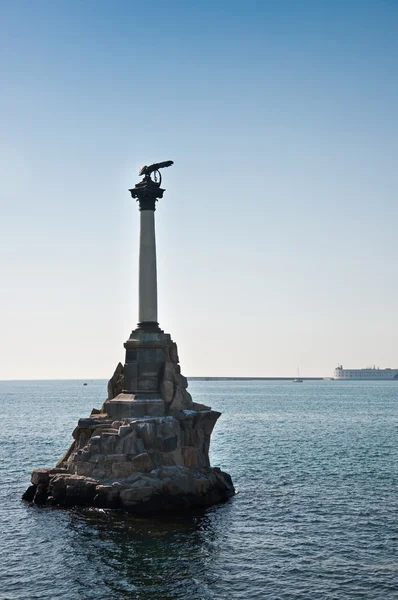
[315, 517]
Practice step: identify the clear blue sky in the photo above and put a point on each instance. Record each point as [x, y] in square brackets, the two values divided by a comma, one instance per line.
[277, 236]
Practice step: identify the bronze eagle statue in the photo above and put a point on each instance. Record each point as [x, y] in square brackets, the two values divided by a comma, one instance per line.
[147, 170]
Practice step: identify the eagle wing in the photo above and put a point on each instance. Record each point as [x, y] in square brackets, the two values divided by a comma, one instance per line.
[155, 167]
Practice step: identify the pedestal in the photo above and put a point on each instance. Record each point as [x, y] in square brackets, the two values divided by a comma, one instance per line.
[126, 456]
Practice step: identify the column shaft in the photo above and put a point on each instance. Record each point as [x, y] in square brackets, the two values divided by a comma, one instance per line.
[148, 294]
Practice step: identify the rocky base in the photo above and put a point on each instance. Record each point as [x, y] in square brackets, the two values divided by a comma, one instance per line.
[139, 465]
[144, 452]
[164, 489]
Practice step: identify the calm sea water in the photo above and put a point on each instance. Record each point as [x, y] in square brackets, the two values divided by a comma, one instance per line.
[316, 516]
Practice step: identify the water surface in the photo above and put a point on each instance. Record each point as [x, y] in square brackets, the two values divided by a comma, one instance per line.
[315, 465]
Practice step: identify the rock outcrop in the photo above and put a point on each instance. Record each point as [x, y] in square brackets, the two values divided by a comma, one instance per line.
[116, 382]
[141, 464]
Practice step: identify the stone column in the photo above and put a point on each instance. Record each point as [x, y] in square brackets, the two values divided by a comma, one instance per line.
[148, 294]
[147, 346]
[147, 192]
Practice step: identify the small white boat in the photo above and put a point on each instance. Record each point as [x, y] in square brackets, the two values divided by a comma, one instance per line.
[298, 378]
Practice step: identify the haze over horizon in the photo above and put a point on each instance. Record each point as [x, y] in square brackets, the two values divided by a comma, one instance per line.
[276, 236]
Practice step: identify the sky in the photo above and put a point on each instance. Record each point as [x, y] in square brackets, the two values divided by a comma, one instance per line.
[277, 234]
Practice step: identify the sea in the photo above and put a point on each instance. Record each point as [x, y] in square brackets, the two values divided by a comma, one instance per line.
[315, 517]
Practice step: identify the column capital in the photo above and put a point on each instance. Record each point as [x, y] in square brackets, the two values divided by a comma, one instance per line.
[147, 192]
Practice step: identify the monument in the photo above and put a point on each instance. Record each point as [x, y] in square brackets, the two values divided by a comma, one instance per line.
[147, 449]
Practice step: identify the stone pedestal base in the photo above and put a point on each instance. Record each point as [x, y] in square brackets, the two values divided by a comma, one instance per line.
[146, 354]
[147, 449]
[134, 405]
[141, 465]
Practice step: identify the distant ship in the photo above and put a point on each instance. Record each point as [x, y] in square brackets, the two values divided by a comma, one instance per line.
[370, 373]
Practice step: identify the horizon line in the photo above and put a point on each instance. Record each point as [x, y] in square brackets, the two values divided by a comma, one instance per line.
[191, 377]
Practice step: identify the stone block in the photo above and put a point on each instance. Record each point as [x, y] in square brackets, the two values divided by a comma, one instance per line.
[137, 406]
[107, 443]
[129, 443]
[182, 400]
[41, 494]
[96, 458]
[100, 472]
[78, 481]
[187, 400]
[202, 486]
[85, 468]
[148, 481]
[85, 454]
[122, 469]
[130, 377]
[29, 494]
[206, 444]
[147, 432]
[169, 444]
[167, 427]
[171, 458]
[94, 444]
[201, 458]
[93, 422]
[190, 457]
[181, 484]
[57, 487]
[157, 458]
[59, 481]
[178, 403]
[111, 458]
[106, 496]
[104, 489]
[40, 476]
[169, 371]
[116, 425]
[191, 436]
[80, 490]
[57, 471]
[143, 463]
[140, 446]
[133, 495]
[124, 430]
[164, 472]
[167, 391]
[148, 369]
[209, 421]
[173, 353]
[83, 438]
[181, 381]
[198, 406]
[131, 479]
